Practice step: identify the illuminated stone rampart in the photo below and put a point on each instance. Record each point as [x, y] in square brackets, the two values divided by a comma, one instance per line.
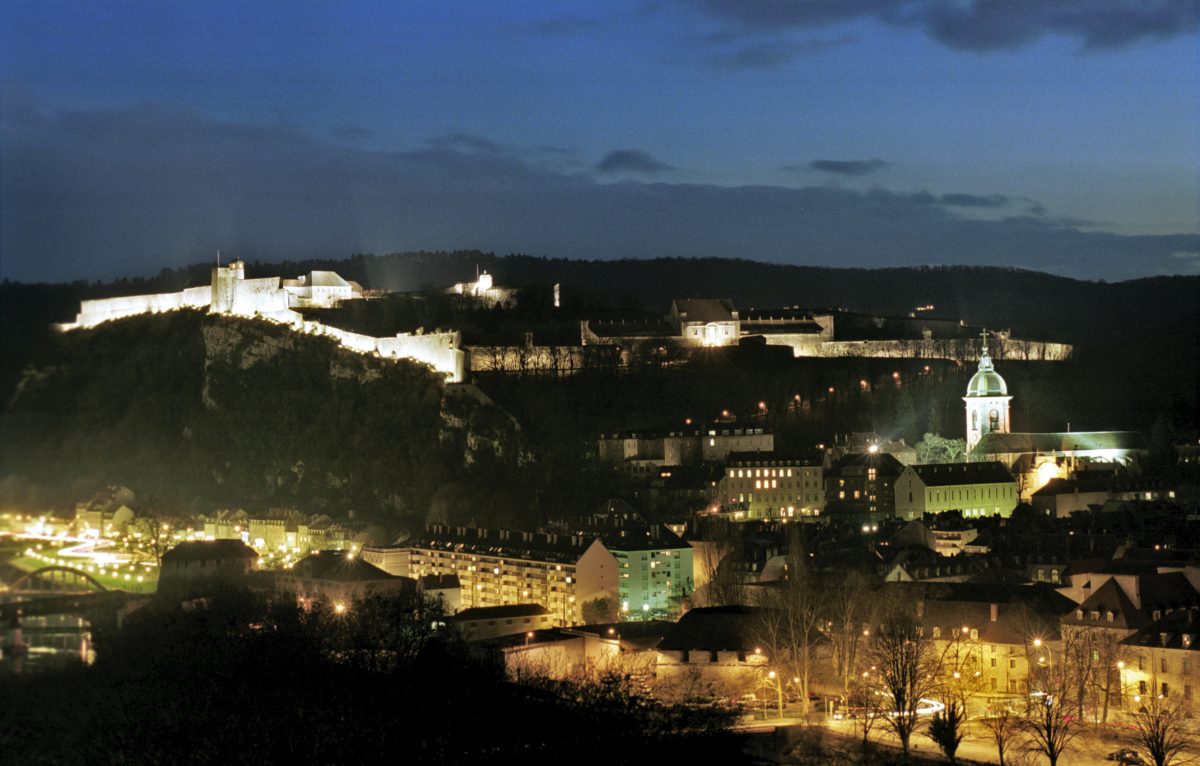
[274, 300]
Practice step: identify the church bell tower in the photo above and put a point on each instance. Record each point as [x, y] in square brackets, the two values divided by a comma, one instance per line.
[986, 401]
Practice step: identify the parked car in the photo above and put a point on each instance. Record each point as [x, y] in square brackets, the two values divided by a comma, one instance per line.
[1127, 756]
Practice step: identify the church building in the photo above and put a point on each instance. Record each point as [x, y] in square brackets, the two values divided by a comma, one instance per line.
[1035, 458]
[987, 401]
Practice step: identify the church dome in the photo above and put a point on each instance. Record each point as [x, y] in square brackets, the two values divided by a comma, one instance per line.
[986, 382]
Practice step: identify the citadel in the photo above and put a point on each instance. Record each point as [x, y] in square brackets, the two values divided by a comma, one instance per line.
[693, 323]
[276, 299]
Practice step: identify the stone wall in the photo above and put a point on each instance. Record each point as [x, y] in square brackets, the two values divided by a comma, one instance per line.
[961, 349]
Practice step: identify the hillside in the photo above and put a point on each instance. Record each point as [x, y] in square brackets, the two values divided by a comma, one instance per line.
[197, 412]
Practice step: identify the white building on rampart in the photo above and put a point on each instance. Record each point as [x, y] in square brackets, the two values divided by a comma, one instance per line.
[276, 299]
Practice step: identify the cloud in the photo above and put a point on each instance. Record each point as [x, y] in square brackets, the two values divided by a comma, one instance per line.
[974, 200]
[976, 25]
[632, 161]
[103, 193]
[771, 54]
[847, 167]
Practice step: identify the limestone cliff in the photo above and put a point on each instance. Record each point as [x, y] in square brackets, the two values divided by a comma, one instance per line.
[202, 411]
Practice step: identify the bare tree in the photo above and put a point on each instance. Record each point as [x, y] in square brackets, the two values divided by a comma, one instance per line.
[790, 621]
[1161, 736]
[848, 611]
[1049, 725]
[908, 670]
[1002, 726]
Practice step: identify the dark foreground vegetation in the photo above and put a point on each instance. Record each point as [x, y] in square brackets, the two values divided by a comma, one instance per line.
[251, 679]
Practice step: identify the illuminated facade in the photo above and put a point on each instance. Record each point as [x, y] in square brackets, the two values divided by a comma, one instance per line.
[773, 485]
[975, 489]
[502, 567]
[706, 321]
[862, 487]
[987, 401]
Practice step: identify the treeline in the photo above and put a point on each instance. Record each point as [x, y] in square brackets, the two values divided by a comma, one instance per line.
[241, 678]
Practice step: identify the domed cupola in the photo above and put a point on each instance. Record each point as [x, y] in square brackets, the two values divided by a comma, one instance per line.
[987, 382]
[987, 400]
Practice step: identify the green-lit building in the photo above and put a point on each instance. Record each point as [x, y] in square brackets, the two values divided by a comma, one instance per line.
[975, 489]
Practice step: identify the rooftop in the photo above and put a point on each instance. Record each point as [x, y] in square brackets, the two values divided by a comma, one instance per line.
[208, 550]
[947, 474]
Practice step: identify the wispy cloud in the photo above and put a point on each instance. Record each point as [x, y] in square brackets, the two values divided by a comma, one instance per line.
[976, 25]
[631, 161]
[845, 167]
[771, 54]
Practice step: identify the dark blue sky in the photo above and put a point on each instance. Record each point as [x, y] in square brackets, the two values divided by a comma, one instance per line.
[1051, 134]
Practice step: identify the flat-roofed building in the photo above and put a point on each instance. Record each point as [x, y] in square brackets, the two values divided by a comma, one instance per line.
[500, 567]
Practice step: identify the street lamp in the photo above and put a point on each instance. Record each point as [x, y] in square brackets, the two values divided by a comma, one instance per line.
[1049, 656]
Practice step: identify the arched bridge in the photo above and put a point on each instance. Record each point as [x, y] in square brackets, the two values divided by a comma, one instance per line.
[56, 579]
[58, 589]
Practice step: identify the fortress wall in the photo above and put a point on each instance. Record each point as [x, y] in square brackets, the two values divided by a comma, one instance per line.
[802, 344]
[258, 296]
[961, 349]
[93, 312]
[440, 350]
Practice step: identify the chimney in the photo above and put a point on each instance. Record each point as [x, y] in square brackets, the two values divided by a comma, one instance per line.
[995, 612]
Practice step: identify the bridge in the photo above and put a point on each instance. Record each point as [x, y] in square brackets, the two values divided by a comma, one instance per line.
[57, 589]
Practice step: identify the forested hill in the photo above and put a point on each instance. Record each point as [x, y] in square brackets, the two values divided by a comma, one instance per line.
[196, 412]
[1032, 303]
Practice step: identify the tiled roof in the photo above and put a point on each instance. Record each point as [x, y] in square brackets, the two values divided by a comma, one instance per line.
[948, 474]
[1180, 629]
[705, 310]
[716, 628]
[338, 566]
[527, 546]
[809, 458]
[1002, 443]
[500, 612]
[209, 550]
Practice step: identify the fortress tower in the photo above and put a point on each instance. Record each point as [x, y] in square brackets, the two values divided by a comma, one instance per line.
[224, 286]
[986, 401]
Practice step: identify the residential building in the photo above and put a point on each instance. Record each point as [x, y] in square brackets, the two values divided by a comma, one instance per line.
[500, 567]
[861, 487]
[645, 452]
[975, 489]
[991, 636]
[773, 485]
[1161, 659]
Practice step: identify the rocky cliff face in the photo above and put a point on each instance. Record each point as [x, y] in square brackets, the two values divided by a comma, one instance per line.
[202, 411]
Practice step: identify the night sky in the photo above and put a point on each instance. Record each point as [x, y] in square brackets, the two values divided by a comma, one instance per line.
[1047, 134]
